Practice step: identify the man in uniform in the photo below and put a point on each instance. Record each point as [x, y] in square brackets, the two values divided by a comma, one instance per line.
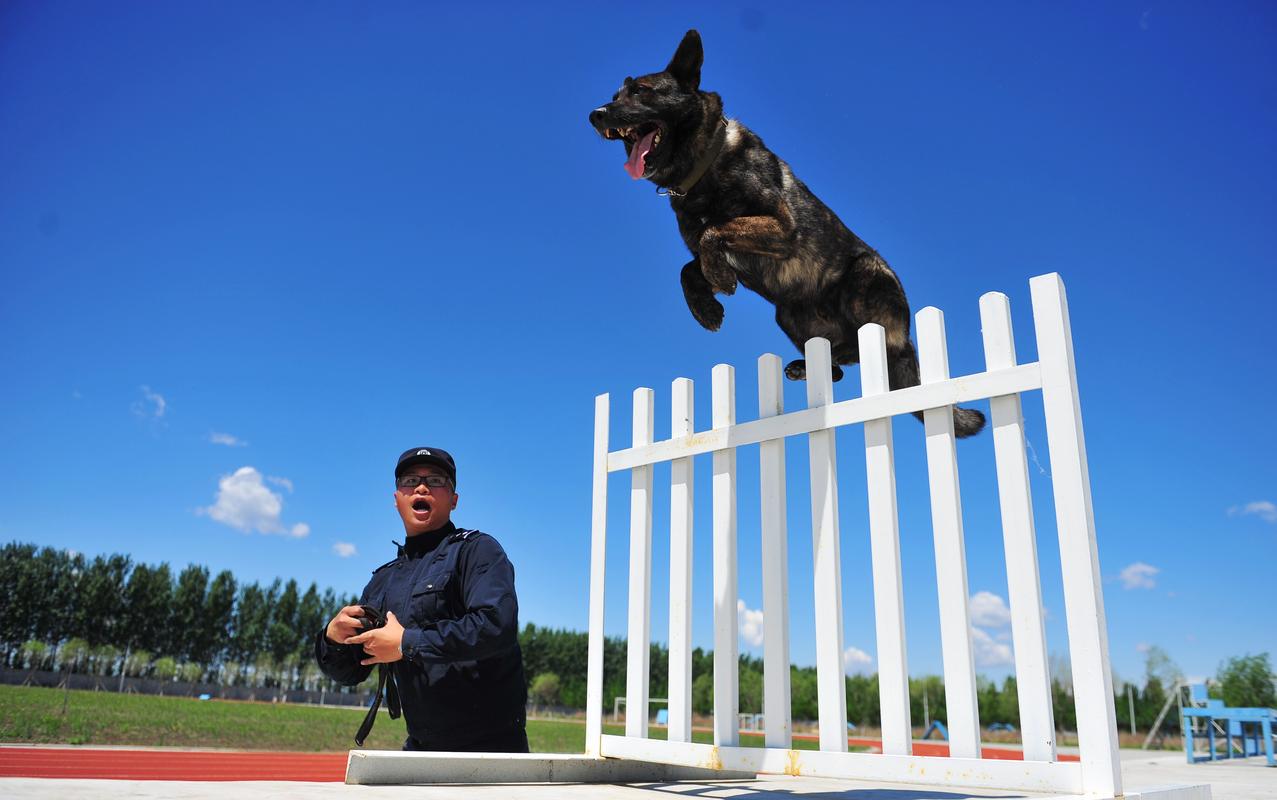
[452, 621]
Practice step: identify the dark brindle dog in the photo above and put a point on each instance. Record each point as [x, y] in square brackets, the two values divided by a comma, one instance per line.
[746, 218]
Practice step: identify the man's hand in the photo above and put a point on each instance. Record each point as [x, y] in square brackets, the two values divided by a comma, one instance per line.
[381, 644]
[345, 625]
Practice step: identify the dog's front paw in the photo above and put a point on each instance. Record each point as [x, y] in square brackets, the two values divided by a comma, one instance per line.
[721, 278]
[707, 311]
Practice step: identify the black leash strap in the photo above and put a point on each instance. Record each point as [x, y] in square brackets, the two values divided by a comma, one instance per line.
[386, 684]
[373, 618]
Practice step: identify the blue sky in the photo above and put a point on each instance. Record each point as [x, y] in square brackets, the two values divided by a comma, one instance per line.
[250, 252]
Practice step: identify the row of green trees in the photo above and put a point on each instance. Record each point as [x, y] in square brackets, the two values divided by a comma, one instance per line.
[111, 616]
[555, 661]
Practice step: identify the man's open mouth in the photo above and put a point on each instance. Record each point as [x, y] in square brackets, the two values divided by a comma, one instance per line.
[641, 142]
[422, 505]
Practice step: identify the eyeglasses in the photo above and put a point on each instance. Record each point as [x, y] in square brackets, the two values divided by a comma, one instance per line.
[413, 481]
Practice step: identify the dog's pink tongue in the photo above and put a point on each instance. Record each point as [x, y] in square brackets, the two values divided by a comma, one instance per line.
[637, 164]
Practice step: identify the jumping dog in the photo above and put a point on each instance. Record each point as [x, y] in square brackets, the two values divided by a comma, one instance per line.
[746, 218]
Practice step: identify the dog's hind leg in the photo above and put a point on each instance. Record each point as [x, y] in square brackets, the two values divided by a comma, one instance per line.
[700, 297]
[878, 297]
[801, 323]
[902, 372]
[902, 366]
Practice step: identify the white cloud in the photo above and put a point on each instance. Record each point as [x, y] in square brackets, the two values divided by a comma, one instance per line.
[230, 440]
[1264, 509]
[751, 623]
[244, 503]
[344, 549]
[989, 653]
[855, 660]
[284, 483]
[989, 610]
[990, 647]
[151, 406]
[1142, 647]
[1139, 576]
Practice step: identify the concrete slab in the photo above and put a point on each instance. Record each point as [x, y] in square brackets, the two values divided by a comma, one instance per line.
[381, 767]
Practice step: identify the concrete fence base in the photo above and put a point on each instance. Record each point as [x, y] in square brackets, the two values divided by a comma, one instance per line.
[396, 767]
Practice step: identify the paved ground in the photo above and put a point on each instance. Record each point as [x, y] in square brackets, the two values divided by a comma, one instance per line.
[1246, 779]
[1238, 779]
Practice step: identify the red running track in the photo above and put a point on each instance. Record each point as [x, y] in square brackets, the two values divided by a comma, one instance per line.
[169, 765]
[942, 749]
[221, 765]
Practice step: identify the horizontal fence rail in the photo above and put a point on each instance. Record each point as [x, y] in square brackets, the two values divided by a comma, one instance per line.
[1060, 776]
[954, 391]
[1001, 384]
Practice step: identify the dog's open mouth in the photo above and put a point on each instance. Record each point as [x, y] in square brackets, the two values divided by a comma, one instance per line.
[641, 141]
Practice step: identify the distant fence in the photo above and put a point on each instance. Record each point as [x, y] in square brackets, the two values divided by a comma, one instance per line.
[1002, 382]
[112, 683]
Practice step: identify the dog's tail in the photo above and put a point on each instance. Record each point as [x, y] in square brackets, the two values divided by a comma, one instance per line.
[902, 371]
[967, 422]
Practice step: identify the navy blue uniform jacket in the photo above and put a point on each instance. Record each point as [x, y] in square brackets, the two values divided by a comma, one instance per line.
[461, 677]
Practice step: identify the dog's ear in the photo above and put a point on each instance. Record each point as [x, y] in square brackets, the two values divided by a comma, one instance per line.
[685, 66]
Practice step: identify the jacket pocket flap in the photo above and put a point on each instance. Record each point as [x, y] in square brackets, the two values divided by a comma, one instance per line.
[431, 583]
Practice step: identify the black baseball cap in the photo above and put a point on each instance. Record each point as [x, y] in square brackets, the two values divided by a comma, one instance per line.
[427, 455]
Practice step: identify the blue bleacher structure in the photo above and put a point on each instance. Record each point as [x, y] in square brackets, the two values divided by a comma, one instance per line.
[1252, 727]
[937, 726]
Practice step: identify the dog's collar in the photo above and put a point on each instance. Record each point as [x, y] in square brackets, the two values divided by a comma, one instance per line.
[703, 165]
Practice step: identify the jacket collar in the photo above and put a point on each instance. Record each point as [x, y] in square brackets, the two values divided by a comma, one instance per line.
[423, 543]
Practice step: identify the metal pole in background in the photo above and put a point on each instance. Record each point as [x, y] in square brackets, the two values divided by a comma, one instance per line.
[1130, 697]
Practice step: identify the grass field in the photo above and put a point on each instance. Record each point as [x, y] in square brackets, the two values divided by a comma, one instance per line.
[35, 715]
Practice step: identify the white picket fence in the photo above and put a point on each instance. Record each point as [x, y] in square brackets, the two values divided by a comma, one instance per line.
[1097, 773]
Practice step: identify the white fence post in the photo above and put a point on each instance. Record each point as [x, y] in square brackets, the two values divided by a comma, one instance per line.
[681, 506]
[1024, 586]
[831, 690]
[1079, 556]
[640, 619]
[771, 472]
[951, 557]
[598, 562]
[884, 539]
[726, 677]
